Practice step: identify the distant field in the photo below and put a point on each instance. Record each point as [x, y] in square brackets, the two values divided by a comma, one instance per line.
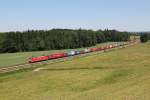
[123, 74]
[9, 59]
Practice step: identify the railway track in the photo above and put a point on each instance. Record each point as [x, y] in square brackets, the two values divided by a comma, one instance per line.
[33, 65]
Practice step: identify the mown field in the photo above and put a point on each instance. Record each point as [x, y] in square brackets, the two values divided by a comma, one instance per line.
[122, 74]
[9, 59]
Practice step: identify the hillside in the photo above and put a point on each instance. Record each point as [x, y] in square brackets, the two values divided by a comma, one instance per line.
[122, 74]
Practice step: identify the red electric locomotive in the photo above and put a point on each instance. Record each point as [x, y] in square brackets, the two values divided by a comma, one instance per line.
[58, 55]
[38, 59]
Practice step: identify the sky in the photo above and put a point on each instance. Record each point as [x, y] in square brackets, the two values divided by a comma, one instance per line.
[122, 15]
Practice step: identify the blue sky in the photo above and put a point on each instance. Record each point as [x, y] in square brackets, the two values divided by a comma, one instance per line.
[123, 15]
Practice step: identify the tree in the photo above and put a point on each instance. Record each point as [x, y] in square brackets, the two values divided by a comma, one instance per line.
[144, 37]
[9, 45]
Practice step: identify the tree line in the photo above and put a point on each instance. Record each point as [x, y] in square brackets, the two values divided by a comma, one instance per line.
[38, 40]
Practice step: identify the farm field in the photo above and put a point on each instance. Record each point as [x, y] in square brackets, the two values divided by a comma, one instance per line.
[8, 59]
[123, 74]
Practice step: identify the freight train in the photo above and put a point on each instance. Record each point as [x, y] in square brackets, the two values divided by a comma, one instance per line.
[73, 53]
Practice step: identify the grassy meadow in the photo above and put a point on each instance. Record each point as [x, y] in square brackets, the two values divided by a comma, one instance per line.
[8, 59]
[123, 74]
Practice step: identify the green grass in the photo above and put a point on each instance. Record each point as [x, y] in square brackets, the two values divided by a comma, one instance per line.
[9, 59]
[123, 74]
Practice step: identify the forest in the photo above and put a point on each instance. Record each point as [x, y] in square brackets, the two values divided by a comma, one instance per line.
[39, 40]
